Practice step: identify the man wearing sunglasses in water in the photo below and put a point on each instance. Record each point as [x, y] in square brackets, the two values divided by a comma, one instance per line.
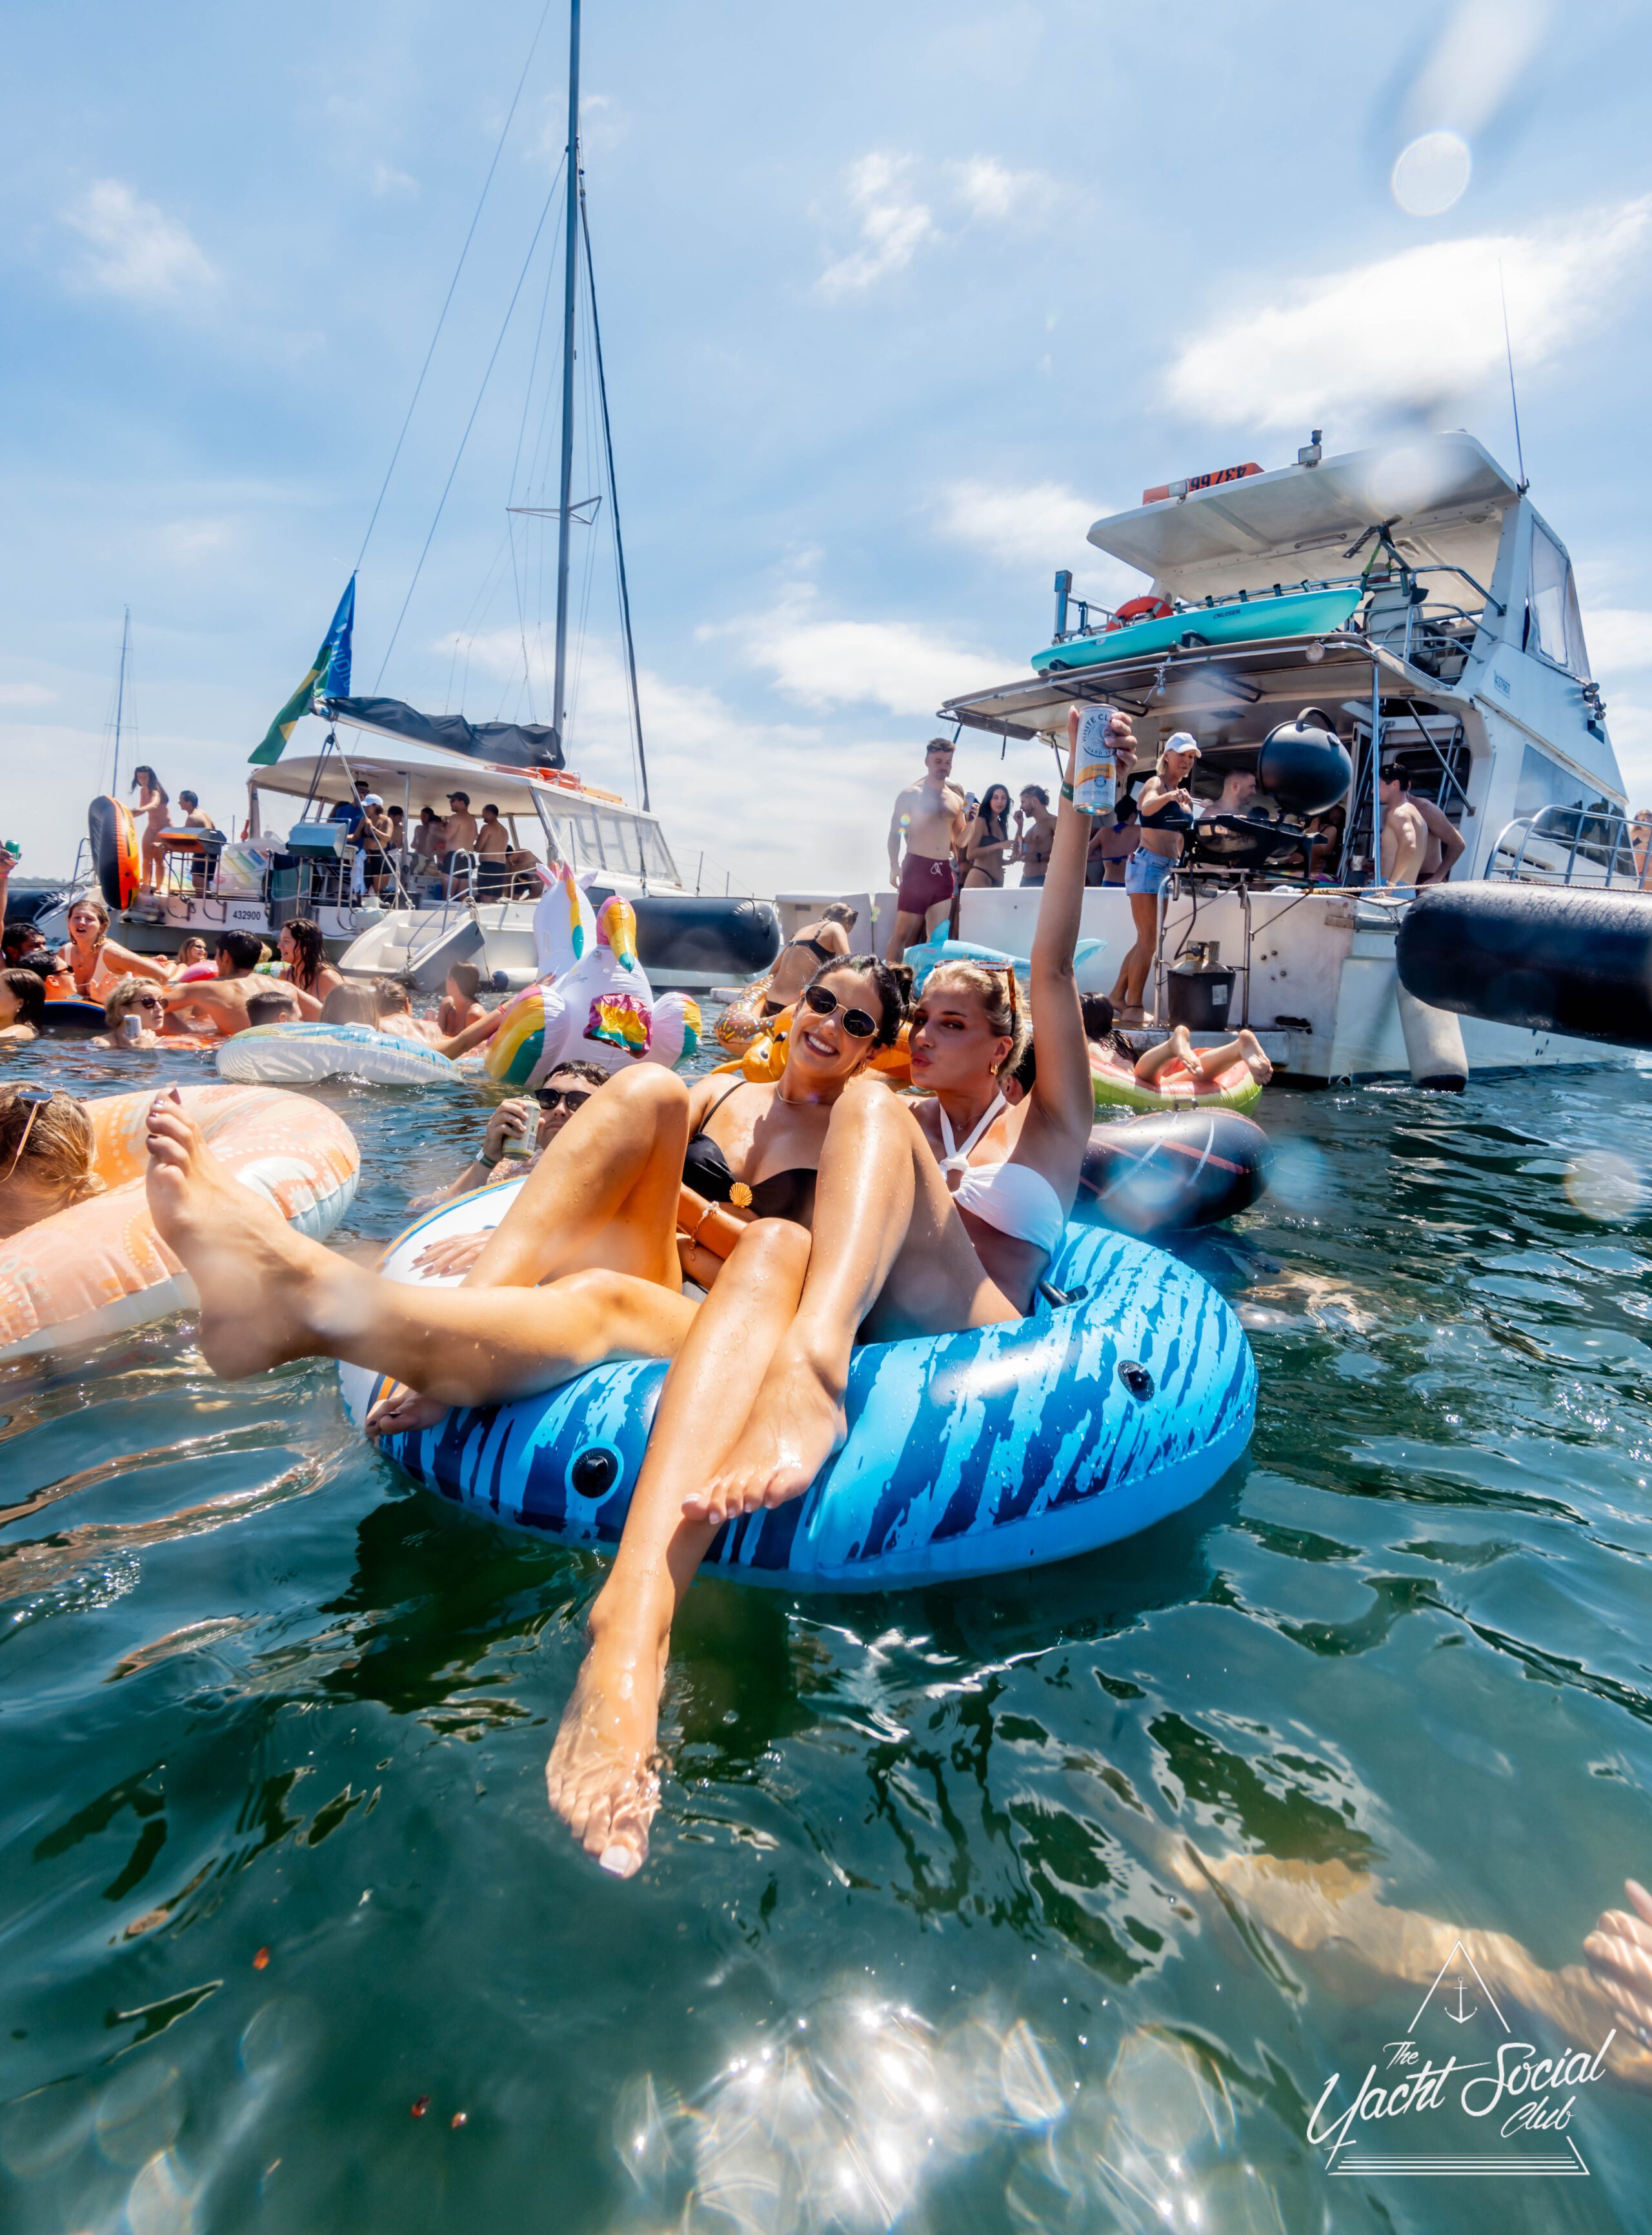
[514, 1141]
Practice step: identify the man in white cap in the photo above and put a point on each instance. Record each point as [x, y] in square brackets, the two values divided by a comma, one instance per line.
[375, 834]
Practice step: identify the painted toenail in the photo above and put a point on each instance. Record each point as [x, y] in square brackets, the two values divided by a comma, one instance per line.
[620, 1861]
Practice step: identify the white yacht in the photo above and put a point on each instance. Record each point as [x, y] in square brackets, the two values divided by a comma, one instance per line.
[1456, 650]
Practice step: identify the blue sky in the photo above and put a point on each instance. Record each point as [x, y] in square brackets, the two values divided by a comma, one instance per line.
[895, 301]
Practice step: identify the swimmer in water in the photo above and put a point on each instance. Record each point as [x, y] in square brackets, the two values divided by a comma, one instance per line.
[460, 1007]
[23, 1005]
[137, 999]
[45, 1156]
[543, 1113]
[94, 960]
[304, 965]
[220, 1002]
[190, 955]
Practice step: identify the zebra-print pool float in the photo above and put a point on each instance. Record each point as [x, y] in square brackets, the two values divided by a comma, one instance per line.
[968, 1454]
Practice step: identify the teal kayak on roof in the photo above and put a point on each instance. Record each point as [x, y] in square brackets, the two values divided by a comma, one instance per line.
[1238, 620]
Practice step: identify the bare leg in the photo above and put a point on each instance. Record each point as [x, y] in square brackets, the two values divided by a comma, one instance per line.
[1133, 971]
[268, 1294]
[603, 1194]
[1177, 1049]
[908, 930]
[1207, 1064]
[601, 1776]
[889, 1251]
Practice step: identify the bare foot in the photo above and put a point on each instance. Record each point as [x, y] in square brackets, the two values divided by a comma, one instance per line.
[795, 1425]
[602, 1778]
[1255, 1055]
[403, 1411]
[1619, 1951]
[252, 1272]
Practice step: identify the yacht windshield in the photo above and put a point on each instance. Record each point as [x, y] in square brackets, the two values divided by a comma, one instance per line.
[1556, 623]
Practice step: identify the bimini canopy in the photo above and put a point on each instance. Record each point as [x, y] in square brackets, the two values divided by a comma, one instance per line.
[407, 779]
[1441, 497]
[514, 744]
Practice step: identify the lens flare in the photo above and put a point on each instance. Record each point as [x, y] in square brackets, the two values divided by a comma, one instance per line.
[1432, 173]
[1604, 1187]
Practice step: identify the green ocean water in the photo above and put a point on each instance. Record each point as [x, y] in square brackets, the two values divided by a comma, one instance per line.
[912, 1950]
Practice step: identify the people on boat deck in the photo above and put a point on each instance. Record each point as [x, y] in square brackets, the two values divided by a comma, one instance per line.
[929, 823]
[350, 812]
[1405, 833]
[516, 1136]
[94, 960]
[221, 1002]
[843, 1208]
[1165, 808]
[1236, 796]
[23, 1005]
[1113, 839]
[988, 847]
[46, 1145]
[304, 965]
[1443, 845]
[804, 952]
[150, 807]
[1035, 833]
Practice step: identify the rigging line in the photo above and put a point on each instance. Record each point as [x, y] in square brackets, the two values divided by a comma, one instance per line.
[447, 302]
[447, 486]
[466, 633]
[533, 366]
[613, 499]
[1508, 350]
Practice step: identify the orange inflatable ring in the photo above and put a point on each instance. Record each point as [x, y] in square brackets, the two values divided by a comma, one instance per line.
[99, 1268]
[1140, 609]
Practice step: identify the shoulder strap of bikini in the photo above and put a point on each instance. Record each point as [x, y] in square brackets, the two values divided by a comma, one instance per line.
[732, 1088]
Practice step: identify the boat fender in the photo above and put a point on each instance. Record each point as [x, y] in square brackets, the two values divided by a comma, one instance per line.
[1551, 960]
[1435, 1046]
[1170, 1173]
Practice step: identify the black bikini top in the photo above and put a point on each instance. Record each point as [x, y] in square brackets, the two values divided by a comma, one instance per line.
[782, 1194]
[1171, 816]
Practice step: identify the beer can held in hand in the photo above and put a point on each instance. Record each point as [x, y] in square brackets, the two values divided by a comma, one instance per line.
[1095, 769]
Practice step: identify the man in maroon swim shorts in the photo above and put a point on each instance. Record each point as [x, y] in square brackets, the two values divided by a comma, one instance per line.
[928, 822]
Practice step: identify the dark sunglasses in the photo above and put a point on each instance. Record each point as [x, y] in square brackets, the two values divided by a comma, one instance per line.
[856, 1021]
[568, 1097]
[146, 1001]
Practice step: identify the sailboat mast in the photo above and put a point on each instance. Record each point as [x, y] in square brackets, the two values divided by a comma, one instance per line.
[571, 260]
[120, 699]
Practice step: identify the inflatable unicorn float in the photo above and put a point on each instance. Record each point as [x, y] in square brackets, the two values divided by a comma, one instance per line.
[591, 1002]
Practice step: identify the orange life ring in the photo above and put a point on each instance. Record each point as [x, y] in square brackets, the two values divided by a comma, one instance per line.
[1149, 608]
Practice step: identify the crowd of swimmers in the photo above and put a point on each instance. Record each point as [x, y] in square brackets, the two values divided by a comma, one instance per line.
[750, 1234]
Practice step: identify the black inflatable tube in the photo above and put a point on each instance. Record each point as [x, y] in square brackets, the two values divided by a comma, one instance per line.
[1552, 959]
[1170, 1173]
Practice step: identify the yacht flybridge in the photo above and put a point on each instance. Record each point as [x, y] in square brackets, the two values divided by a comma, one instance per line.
[1417, 598]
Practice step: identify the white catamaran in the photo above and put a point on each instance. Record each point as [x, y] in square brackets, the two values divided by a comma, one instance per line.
[393, 912]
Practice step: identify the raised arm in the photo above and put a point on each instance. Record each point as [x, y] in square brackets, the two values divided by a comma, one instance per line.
[1062, 1100]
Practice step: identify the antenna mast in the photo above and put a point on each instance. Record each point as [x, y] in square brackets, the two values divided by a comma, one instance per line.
[120, 699]
[571, 260]
[1508, 350]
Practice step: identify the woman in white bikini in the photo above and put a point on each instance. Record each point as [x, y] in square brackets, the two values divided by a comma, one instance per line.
[96, 961]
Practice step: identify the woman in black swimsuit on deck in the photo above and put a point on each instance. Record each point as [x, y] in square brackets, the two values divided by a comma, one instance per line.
[810, 950]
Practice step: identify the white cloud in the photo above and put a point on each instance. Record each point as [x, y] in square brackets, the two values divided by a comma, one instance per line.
[1042, 526]
[894, 213]
[1473, 68]
[988, 189]
[137, 250]
[183, 541]
[1411, 331]
[1618, 637]
[26, 694]
[892, 222]
[895, 666]
[387, 181]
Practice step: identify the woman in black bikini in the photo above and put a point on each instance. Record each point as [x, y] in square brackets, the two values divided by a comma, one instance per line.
[987, 845]
[816, 945]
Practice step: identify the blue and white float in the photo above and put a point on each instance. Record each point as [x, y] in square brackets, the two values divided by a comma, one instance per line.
[968, 1454]
[305, 1054]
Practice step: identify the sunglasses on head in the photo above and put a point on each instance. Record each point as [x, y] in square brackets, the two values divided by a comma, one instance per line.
[856, 1021]
[567, 1098]
[34, 1099]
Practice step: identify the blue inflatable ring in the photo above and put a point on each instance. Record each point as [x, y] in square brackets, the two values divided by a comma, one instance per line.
[968, 1454]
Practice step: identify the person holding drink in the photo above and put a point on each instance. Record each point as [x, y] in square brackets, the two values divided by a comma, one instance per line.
[1166, 815]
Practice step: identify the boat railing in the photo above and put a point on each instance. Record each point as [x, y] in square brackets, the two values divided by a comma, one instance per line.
[1595, 847]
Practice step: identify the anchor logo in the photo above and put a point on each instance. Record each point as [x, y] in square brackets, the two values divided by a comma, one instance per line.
[1460, 2016]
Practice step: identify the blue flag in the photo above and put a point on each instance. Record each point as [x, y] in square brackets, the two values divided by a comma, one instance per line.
[329, 674]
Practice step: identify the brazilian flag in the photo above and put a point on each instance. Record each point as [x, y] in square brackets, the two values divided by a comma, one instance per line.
[329, 674]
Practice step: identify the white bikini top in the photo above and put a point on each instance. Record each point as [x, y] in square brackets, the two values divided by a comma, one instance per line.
[1013, 1197]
